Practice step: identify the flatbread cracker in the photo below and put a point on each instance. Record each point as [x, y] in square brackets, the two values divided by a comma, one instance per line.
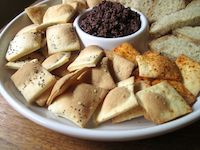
[89, 57]
[23, 44]
[122, 67]
[36, 13]
[101, 77]
[181, 89]
[118, 101]
[32, 80]
[22, 61]
[29, 28]
[62, 71]
[92, 3]
[190, 71]
[41, 101]
[78, 104]
[153, 65]
[61, 13]
[127, 51]
[64, 83]
[131, 114]
[62, 38]
[56, 60]
[79, 5]
[162, 103]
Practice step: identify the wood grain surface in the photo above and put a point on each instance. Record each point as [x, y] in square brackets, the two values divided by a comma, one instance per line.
[18, 133]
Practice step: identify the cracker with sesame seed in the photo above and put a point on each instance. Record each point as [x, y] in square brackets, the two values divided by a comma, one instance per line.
[88, 57]
[22, 61]
[64, 83]
[79, 103]
[32, 80]
[62, 38]
[23, 44]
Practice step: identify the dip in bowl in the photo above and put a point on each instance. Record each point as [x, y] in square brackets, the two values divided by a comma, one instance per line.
[110, 24]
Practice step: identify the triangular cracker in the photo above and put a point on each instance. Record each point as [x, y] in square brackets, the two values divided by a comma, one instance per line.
[28, 58]
[23, 44]
[119, 100]
[122, 67]
[127, 51]
[64, 83]
[78, 104]
[56, 60]
[62, 71]
[29, 28]
[131, 114]
[41, 101]
[36, 13]
[101, 77]
[89, 57]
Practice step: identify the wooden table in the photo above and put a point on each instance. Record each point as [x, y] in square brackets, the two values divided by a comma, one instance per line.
[18, 133]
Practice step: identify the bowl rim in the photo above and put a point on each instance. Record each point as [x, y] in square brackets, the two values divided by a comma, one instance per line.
[144, 25]
[91, 134]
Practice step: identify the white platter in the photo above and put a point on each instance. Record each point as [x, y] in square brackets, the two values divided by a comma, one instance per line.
[131, 130]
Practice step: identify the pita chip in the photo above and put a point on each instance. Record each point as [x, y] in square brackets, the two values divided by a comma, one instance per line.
[62, 71]
[118, 101]
[127, 51]
[61, 13]
[64, 83]
[100, 76]
[89, 57]
[109, 54]
[79, 5]
[36, 13]
[162, 103]
[78, 104]
[41, 100]
[190, 71]
[62, 38]
[23, 44]
[56, 60]
[153, 65]
[122, 67]
[22, 61]
[32, 80]
[92, 3]
[29, 28]
[181, 89]
[131, 114]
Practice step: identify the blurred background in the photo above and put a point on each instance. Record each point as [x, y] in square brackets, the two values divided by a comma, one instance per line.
[11, 8]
